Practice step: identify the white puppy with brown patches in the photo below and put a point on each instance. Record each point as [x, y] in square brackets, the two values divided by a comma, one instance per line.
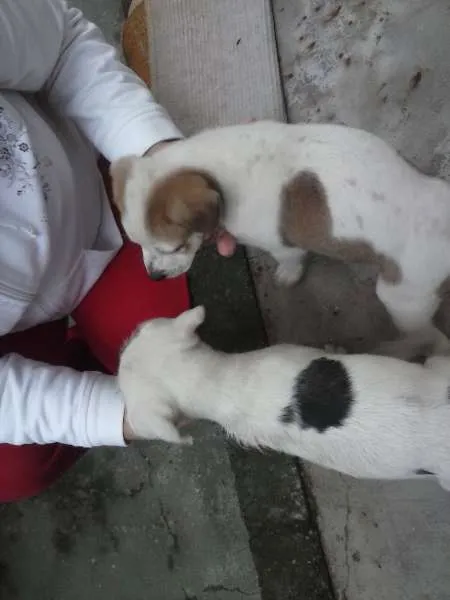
[293, 189]
[367, 416]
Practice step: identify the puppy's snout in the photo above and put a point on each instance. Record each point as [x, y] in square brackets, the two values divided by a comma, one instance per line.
[157, 275]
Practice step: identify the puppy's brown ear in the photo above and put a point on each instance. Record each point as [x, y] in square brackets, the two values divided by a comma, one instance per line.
[199, 213]
[196, 204]
[185, 203]
[119, 171]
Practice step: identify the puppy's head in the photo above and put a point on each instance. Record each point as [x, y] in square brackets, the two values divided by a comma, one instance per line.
[168, 216]
[157, 349]
[153, 368]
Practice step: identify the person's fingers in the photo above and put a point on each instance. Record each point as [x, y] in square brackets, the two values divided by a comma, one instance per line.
[226, 244]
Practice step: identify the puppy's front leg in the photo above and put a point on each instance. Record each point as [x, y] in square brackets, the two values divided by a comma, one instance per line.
[168, 432]
[290, 265]
[153, 427]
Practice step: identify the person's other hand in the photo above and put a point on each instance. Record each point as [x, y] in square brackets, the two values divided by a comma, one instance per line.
[226, 244]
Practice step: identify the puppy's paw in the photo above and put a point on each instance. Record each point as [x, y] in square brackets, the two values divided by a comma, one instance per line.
[289, 273]
[166, 430]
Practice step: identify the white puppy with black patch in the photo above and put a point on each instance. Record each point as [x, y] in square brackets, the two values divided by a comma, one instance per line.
[367, 416]
[293, 189]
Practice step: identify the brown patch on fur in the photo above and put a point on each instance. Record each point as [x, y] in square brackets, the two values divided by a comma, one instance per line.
[119, 171]
[305, 221]
[184, 203]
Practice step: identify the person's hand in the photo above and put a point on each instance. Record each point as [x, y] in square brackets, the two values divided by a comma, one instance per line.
[226, 244]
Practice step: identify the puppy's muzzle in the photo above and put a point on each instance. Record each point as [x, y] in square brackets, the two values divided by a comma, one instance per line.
[157, 275]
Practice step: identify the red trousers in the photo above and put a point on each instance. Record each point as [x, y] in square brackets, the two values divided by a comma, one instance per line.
[123, 297]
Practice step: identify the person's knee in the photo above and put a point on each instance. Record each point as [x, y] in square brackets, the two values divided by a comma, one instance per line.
[26, 471]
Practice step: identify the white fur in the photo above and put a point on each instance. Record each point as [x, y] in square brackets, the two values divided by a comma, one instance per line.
[399, 420]
[372, 193]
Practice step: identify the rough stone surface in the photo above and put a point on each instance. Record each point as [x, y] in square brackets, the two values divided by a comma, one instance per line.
[153, 522]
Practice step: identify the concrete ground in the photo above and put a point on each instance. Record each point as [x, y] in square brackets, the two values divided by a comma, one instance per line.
[158, 522]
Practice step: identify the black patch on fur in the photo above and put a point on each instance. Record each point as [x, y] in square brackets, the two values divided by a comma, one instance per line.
[287, 415]
[323, 394]
[423, 472]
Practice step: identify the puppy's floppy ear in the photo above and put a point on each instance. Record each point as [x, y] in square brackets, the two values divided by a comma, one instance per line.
[188, 322]
[198, 213]
[183, 203]
[203, 212]
[120, 171]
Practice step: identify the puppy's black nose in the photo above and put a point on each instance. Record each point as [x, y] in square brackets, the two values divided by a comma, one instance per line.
[157, 275]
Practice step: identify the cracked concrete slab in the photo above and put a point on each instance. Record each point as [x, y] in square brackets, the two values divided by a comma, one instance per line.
[151, 522]
[384, 540]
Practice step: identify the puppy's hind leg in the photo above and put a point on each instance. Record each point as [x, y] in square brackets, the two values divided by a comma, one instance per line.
[290, 265]
[412, 308]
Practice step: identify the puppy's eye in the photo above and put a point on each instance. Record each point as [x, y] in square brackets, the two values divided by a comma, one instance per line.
[174, 251]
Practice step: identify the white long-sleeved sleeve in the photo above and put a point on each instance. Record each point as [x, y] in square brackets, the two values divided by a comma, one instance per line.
[42, 404]
[47, 46]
